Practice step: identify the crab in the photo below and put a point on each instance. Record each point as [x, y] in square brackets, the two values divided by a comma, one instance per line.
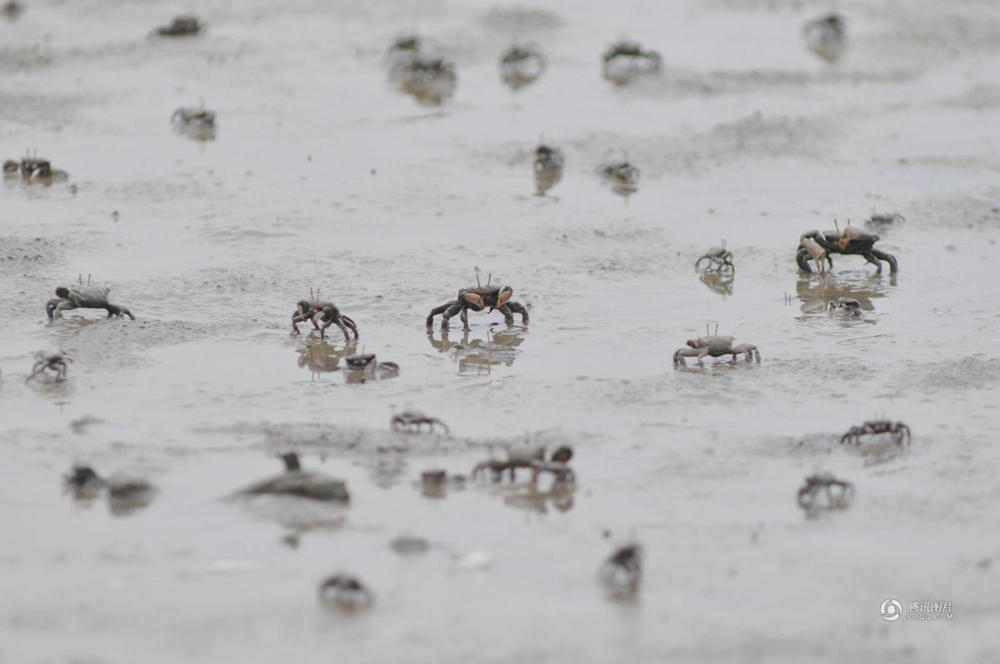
[533, 458]
[626, 61]
[345, 592]
[849, 306]
[83, 483]
[899, 432]
[32, 168]
[819, 245]
[826, 36]
[196, 122]
[56, 363]
[430, 80]
[521, 64]
[719, 259]
[84, 297]
[621, 175]
[715, 346]
[413, 420]
[323, 315]
[364, 366]
[621, 573]
[477, 299]
[548, 166]
[301, 483]
[182, 26]
[823, 491]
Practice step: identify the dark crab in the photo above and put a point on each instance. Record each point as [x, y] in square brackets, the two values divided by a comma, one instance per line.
[477, 299]
[719, 259]
[413, 420]
[826, 36]
[823, 491]
[364, 366]
[54, 363]
[899, 432]
[848, 306]
[532, 458]
[521, 64]
[32, 168]
[621, 175]
[196, 122]
[345, 593]
[322, 315]
[548, 167]
[621, 573]
[626, 61]
[84, 297]
[715, 346]
[819, 245]
[181, 26]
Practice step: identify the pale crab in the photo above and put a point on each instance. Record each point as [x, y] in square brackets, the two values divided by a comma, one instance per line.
[412, 421]
[521, 64]
[548, 167]
[532, 458]
[823, 491]
[819, 245]
[848, 306]
[898, 432]
[826, 36]
[621, 573]
[622, 176]
[477, 299]
[49, 363]
[715, 346]
[84, 297]
[322, 315]
[196, 122]
[719, 259]
[345, 593]
[626, 61]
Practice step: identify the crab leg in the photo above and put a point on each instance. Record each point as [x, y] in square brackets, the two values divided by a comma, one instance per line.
[509, 308]
[441, 310]
[888, 258]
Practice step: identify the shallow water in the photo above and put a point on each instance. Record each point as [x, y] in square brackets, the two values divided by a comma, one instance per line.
[323, 175]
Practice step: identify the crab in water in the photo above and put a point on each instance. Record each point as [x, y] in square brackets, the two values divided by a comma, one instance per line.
[322, 315]
[621, 573]
[364, 366]
[345, 593]
[823, 491]
[55, 363]
[301, 483]
[413, 420]
[532, 458]
[84, 297]
[626, 61]
[715, 346]
[819, 245]
[719, 259]
[196, 122]
[521, 64]
[181, 26]
[548, 167]
[826, 36]
[848, 306]
[899, 432]
[477, 299]
[621, 175]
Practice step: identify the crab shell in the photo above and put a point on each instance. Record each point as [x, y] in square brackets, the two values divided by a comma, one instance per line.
[487, 296]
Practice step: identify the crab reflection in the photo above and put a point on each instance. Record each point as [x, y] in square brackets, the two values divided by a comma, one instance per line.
[322, 357]
[531, 498]
[816, 295]
[719, 282]
[478, 356]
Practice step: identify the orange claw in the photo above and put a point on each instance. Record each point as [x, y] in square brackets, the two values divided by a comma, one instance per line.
[503, 297]
[475, 300]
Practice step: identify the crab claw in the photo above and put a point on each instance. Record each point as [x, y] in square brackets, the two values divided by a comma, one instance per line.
[504, 295]
[475, 300]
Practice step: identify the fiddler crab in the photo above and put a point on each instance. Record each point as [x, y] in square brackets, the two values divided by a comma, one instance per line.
[879, 219]
[363, 366]
[819, 245]
[715, 346]
[823, 491]
[49, 363]
[345, 593]
[621, 573]
[899, 432]
[826, 36]
[32, 168]
[322, 315]
[548, 167]
[477, 299]
[181, 26]
[84, 297]
[301, 483]
[413, 420]
[625, 61]
[719, 259]
[621, 175]
[533, 459]
[196, 122]
[521, 64]
[431, 80]
[848, 306]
